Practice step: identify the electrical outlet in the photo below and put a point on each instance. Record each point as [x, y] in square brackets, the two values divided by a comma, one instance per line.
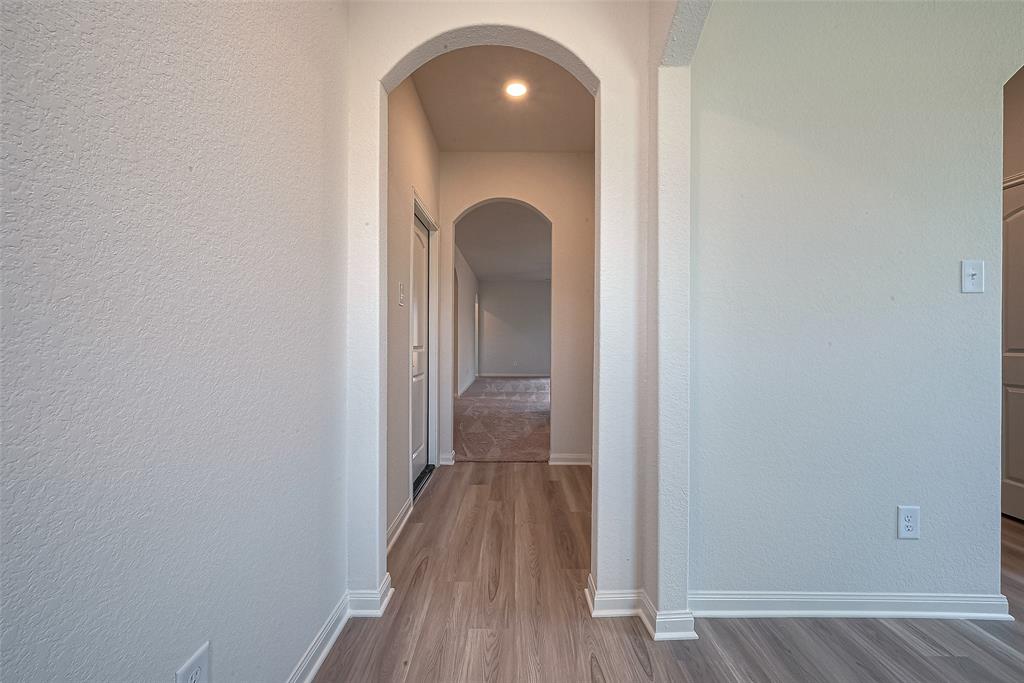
[197, 668]
[909, 522]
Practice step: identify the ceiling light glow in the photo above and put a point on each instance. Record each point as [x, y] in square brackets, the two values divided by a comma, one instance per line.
[515, 89]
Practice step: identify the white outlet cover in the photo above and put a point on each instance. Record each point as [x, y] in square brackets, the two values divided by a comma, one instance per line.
[908, 522]
[197, 668]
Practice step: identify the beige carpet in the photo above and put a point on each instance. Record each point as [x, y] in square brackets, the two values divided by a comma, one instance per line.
[504, 419]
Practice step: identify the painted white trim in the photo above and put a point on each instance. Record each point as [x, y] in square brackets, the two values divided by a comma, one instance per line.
[371, 603]
[569, 459]
[512, 374]
[751, 604]
[666, 625]
[448, 458]
[395, 530]
[463, 389]
[1013, 180]
[611, 603]
[305, 671]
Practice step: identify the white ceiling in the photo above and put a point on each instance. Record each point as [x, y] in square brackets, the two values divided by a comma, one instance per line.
[463, 96]
[505, 240]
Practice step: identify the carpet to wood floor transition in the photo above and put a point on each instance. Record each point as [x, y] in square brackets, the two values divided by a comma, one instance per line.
[504, 419]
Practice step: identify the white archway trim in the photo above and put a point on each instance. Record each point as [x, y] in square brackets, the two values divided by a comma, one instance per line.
[491, 34]
[494, 200]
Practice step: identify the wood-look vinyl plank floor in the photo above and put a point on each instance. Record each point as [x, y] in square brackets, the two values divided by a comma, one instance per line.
[490, 572]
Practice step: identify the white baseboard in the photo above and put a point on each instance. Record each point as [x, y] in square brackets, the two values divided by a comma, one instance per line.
[305, 671]
[395, 530]
[519, 375]
[371, 603]
[448, 458]
[666, 624]
[367, 603]
[663, 625]
[749, 604]
[569, 459]
[611, 603]
[462, 389]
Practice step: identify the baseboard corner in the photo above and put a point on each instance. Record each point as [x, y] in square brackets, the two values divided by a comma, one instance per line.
[661, 625]
[666, 624]
[618, 603]
[371, 603]
[448, 458]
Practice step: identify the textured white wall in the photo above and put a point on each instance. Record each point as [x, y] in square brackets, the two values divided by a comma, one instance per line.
[169, 471]
[846, 157]
[515, 327]
[413, 165]
[561, 186]
[468, 287]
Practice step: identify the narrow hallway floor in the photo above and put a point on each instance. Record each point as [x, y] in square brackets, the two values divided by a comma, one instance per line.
[489, 577]
[504, 419]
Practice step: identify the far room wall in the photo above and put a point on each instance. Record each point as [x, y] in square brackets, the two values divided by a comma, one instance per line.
[515, 328]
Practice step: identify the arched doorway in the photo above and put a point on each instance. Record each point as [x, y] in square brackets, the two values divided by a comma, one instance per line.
[616, 254]
[503, 405]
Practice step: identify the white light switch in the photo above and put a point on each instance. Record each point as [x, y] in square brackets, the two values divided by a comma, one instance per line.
[972, 277]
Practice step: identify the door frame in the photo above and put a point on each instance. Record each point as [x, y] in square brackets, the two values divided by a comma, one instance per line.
[421, 214]
[1011, 492]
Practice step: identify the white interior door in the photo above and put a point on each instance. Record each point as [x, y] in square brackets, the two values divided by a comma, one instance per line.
[1013, 351]
[419, 339]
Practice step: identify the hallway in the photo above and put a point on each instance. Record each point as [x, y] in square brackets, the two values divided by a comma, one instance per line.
[489, 576]
[504, 419]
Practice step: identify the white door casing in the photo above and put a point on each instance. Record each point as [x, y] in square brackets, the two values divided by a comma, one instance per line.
[419, 297]
[1013, 347]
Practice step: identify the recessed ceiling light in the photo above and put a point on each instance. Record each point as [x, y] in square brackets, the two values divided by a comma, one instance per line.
[515, 89]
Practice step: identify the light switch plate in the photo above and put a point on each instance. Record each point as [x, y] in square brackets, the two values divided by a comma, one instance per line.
[972, 276]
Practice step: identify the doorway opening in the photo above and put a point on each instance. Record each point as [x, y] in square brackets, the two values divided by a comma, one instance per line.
[503, 405]
[508, 176]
